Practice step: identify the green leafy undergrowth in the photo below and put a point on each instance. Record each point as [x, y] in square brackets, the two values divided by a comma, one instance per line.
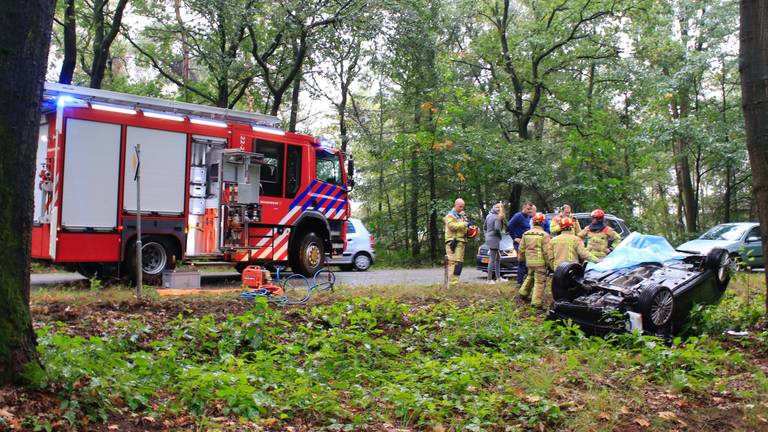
[369, 361]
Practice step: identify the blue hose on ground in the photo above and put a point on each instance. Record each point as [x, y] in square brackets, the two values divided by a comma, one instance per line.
[323, 280]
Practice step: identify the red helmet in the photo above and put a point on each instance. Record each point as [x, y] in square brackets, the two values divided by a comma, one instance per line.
[539, 218]
[472, 231]
[566, 222]
[597, 213]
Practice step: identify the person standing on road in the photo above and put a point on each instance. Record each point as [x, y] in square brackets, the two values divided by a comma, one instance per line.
[565, 211]
[536, 252]
[601, 239]
[568, 247]
[517, 226]
[455, 239]
[494, 223]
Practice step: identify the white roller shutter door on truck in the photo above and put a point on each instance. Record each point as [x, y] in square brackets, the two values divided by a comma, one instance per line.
[163, 171]
[91, 173]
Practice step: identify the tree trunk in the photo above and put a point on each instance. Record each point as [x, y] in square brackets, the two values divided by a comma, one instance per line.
[414, 220]
[432, 210]
[103, 38]
[296, 91]
[515, 195]
[728, 195]
[683, 167]
[753, 59]
[184, 50]
[70, 44]
[23, 60]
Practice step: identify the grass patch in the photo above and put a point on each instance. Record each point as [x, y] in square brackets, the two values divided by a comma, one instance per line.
[376, 358]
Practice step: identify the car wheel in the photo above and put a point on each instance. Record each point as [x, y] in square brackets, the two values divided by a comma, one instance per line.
[309, 256]
[361, 262]
[657, 305]
[718, 262]
[736, 264]
[156, 257]
[565, 282]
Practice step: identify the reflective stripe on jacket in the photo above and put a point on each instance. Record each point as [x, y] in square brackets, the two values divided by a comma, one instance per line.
[568, 247]
[535, 249]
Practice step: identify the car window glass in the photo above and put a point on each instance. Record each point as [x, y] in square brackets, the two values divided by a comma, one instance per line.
[292, 171]
[614, 224]
[350, 228]
[328, 168]
[724, 232]
[754, 232]
[272, 170]
[506, 242]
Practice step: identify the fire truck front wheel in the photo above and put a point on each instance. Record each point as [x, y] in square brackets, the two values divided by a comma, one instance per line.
[309, 257]
[156, 256]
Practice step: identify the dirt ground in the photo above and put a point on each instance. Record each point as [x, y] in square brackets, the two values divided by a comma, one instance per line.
[720, 411]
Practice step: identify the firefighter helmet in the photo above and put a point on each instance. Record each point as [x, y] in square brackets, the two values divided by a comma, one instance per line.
[472, 231]
[539, 218]
[597, 213]
[566, 222]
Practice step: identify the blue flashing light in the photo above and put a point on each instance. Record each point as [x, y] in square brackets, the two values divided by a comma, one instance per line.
[65, 100]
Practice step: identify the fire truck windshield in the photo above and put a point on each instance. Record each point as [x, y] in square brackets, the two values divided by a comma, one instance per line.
[329, 167]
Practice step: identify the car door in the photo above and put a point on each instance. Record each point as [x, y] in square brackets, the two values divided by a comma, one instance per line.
[752, 249]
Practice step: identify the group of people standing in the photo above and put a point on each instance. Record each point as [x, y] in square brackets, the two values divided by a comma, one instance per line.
[538, 252]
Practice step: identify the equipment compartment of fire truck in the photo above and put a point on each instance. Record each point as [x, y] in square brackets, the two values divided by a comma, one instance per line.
[214, 184]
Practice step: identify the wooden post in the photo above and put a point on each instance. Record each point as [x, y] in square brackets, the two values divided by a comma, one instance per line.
[446, 276]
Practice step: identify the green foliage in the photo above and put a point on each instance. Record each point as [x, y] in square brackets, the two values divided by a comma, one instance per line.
[364, 361]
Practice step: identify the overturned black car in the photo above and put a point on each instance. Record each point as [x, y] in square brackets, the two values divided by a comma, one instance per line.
[654, 296]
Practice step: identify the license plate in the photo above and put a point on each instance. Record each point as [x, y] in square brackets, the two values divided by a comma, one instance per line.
[484, 260]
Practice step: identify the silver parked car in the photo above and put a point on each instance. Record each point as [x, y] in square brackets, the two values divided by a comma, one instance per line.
[358, 252]
[741, 239]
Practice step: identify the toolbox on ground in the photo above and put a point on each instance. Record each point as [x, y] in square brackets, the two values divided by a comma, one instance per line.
[181, 279]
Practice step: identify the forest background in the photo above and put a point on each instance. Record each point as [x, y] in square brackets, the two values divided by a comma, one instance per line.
[633, 106]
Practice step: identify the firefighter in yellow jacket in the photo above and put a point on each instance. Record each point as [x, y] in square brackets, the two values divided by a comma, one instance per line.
[536, 251]
[568, 247]
[565, 211]
[456, 224]
[601, 239]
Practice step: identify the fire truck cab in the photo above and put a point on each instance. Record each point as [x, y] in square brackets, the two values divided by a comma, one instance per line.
[213, 184]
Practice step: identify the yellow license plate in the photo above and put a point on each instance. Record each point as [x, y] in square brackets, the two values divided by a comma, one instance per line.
[484, 260]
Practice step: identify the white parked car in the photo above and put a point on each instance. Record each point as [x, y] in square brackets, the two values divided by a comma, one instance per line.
[358, 252]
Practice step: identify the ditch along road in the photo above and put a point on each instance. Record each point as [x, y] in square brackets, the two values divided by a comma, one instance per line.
[231, 279]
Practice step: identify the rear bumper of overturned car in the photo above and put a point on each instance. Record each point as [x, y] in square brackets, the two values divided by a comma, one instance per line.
[591, 320]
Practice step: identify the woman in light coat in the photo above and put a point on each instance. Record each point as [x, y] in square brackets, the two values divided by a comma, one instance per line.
[492, 228]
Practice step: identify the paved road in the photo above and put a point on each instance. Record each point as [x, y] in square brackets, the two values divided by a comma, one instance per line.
[370, 277]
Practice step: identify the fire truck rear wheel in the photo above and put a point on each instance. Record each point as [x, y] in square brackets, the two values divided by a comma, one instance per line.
[309, 257]
[157, 256]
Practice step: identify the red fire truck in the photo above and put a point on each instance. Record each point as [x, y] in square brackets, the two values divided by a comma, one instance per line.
[214, 184]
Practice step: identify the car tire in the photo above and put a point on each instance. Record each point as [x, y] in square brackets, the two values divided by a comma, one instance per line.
[565, 285]
[157, 257]
[657, 306]
[718, 262]
[309, 256]
[361, 262]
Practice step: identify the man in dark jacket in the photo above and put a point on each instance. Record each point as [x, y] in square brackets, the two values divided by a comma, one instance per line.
[517, 226]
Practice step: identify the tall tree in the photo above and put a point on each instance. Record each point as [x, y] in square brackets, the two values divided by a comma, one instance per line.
[69, 24]
[280, 52]
[535, 42]
[23, 59]
[106, 25]
[213, 34]
[754, 93]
